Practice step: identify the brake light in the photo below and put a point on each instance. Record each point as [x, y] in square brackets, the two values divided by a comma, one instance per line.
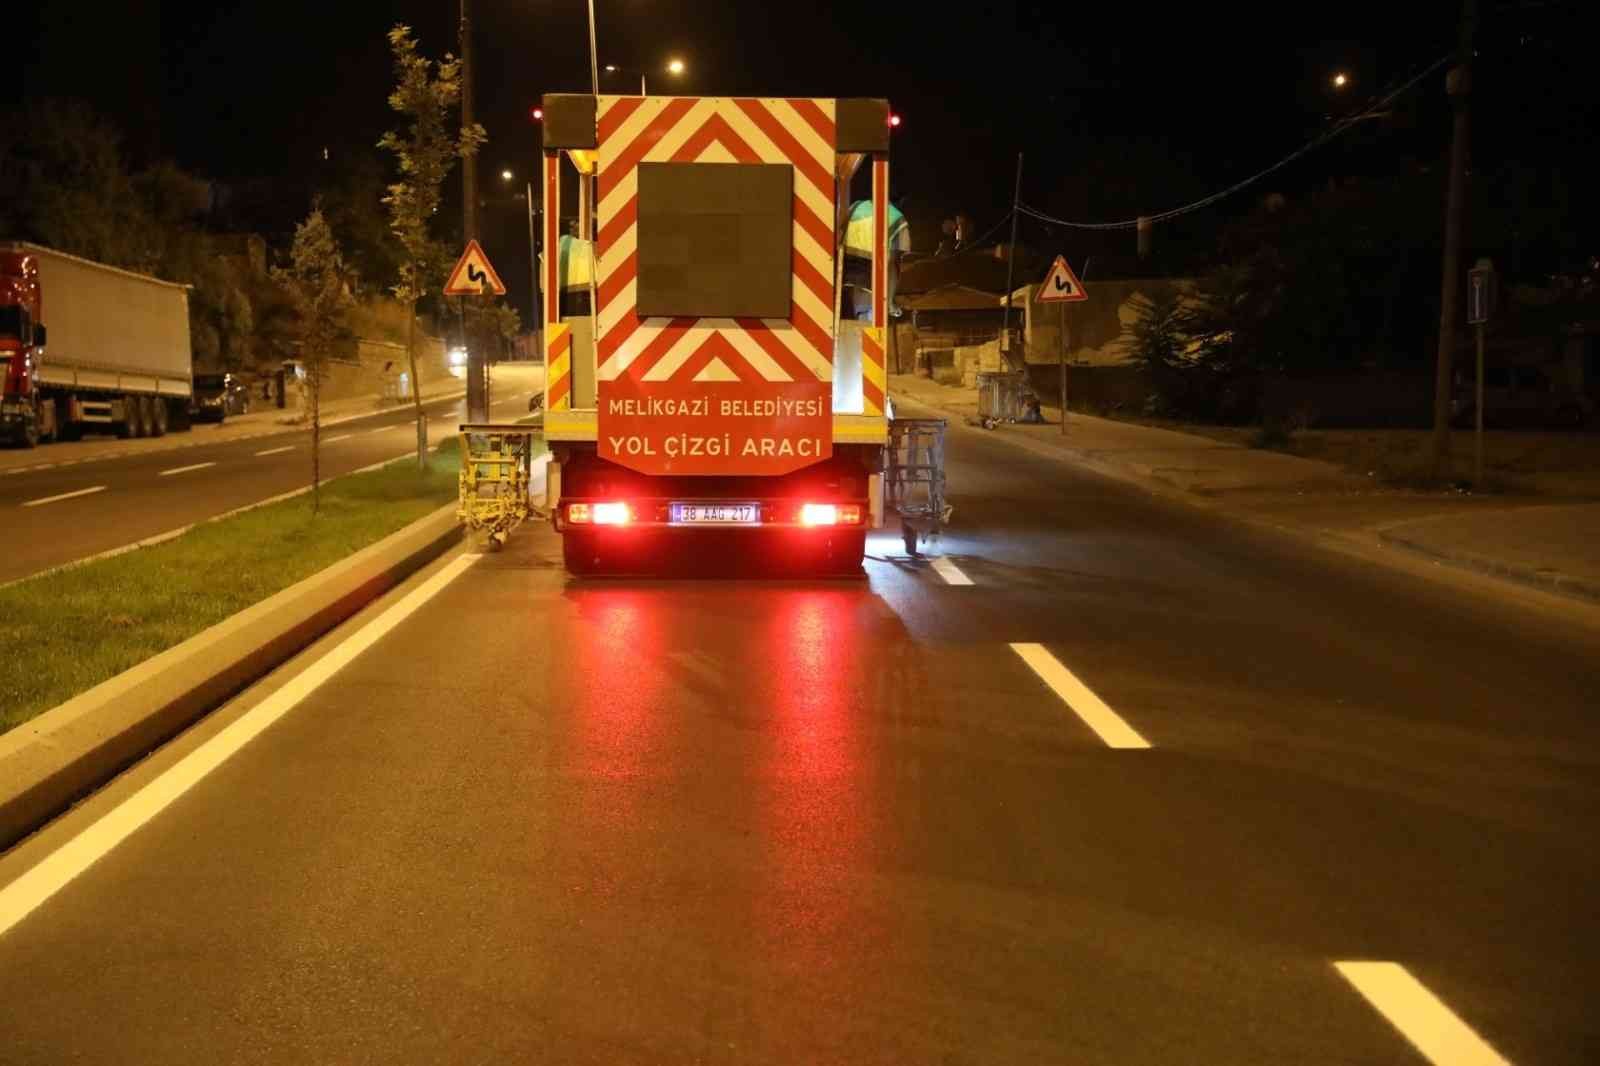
[830, 514]
[611, 513]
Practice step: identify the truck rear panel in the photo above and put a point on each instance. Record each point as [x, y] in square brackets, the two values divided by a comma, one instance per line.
[716, 363]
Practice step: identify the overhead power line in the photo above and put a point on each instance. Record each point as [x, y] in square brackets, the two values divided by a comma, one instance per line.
[1335, 130]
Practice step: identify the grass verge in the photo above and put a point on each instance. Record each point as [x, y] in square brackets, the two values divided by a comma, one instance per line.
[75, 628]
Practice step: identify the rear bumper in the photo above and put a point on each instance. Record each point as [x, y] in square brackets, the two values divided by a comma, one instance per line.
[655, 513]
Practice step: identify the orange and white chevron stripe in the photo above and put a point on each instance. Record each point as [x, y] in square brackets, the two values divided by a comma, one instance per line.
[634, 130]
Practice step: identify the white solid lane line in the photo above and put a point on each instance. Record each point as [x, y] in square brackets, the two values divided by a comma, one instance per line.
[949, 571]
[276, 451]
[1421, 1016]
[24, 895]
[65, 496]
[184, 469]
[1106, 723]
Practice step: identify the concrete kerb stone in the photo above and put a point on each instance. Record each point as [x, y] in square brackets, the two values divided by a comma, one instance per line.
[52, 761]
[1544, 580]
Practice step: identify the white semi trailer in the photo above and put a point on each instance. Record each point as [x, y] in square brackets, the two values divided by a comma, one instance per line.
[88, 346]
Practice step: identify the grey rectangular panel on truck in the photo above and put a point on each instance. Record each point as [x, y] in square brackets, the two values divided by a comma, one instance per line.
[715, 240]
[106, 321]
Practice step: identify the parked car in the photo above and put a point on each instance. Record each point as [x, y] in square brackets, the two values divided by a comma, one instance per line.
[1520, 396]
[216, 396]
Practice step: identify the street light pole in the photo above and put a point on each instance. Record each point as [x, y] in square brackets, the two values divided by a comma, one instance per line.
[533, 258]
[1458, 85]
[594, 61]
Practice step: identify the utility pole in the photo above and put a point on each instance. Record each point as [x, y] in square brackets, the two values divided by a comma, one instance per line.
[477, 365]
[469, 165]
[1457, 84]
[1011, 264]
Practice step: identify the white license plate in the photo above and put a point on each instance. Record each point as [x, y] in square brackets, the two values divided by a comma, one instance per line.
[716, 514]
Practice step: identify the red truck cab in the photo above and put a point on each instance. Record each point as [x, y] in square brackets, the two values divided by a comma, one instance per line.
[22, 335]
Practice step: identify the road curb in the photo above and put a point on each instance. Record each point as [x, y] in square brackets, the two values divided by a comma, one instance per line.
[53, 760]
[1544, 580]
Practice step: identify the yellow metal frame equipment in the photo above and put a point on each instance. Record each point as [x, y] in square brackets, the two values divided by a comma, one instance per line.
[496, 470]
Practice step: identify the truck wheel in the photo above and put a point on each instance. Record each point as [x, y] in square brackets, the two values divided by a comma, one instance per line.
[129, 425]
[908, 533]
[29, 437]
[158, 417]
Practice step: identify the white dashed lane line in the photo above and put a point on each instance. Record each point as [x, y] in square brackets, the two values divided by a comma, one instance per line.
[949, 571]
[184, 469]
[1105, 722]
[336, 440]
[1422, 1017]
[65, 496]
[276, 451]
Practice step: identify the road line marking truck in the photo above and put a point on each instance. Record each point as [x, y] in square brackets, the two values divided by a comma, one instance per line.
[118, 355]
[714, 383]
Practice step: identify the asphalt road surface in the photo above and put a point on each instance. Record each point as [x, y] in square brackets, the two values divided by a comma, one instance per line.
[77, 507]
[1152, 788]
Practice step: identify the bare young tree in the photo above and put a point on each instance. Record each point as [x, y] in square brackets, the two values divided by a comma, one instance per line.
[318, 287]
[426, 149]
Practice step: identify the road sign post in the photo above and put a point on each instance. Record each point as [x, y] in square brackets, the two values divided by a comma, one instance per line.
[1481, 293]
[474, 276]
[1062, 366]
[1062, 287]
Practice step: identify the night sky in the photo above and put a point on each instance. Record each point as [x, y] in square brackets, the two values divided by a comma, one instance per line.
[1120, 108]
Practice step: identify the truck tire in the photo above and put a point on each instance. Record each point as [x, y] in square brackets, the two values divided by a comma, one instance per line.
[129, 425]
[29, 437]
[158, 417]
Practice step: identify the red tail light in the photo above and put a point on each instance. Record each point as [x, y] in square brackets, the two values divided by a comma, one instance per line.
[610, 513]
[614, 513]
[830, 514]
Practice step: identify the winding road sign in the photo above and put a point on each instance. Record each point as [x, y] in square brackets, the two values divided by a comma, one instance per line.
[473, 276]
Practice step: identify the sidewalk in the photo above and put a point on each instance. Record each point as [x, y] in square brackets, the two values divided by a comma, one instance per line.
[354, 406]
[261, 422]
[1548, 543]
[1555, 547]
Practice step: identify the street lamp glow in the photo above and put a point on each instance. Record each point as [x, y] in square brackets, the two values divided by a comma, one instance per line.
[506, 175]
[1340, 80]
[675, 66]
[611, 68]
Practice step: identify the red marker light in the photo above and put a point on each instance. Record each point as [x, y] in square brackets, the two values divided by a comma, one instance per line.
[612, 514]
[536, 113]
[894, 120]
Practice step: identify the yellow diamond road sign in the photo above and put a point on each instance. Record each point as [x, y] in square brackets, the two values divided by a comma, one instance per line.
[473, 276]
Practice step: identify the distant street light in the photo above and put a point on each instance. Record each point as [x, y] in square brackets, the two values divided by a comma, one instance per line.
[675, 67]
[1340, 80]
[506, 175]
